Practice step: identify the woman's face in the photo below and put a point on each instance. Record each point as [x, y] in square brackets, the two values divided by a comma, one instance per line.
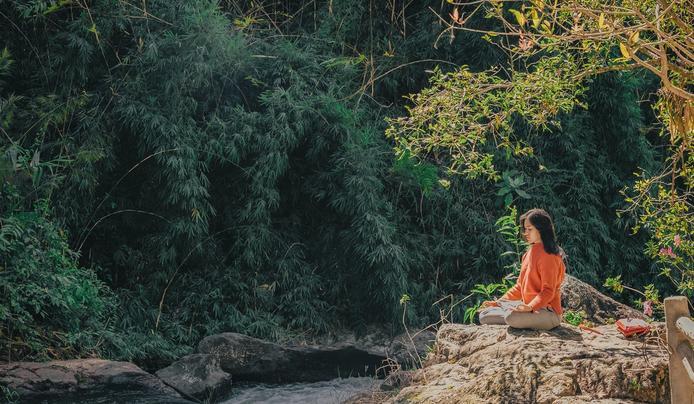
[531, 234]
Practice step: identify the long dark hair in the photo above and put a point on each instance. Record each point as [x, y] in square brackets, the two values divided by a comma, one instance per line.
[543, 223]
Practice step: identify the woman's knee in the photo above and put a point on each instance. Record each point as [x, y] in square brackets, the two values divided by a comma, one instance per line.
[516, 319]
[492, 316]
[536, 321]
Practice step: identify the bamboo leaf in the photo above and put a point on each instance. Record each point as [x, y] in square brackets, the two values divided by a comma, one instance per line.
[523, 194]
[520, 18]
[536, 18]
[546, 26]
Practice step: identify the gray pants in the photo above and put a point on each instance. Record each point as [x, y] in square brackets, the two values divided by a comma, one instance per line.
[543, 319]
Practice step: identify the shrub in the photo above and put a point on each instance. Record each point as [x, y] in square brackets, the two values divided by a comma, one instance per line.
[49, 306]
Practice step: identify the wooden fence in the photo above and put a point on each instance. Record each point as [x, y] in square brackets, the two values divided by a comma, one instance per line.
[680, 335]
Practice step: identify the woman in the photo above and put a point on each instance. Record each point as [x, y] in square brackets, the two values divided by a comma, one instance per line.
[534, 301]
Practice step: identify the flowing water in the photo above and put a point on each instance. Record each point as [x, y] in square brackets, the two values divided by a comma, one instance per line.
[328, 392]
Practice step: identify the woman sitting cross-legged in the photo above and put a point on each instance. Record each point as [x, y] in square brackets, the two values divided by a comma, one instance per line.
[534, 301]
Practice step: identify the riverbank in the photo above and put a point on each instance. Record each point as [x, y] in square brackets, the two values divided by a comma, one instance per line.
[222, 361]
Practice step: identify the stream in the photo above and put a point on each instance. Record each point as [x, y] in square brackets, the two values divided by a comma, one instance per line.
[327, 392]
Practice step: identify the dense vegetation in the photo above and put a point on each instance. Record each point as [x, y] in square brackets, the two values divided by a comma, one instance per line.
[180, 168]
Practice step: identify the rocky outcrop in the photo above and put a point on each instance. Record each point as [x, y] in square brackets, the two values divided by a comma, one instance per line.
[247, 358]
[578, 295]
[198, 376]
[84, 378]
[406, 349]
[498, 364]
[207, 375]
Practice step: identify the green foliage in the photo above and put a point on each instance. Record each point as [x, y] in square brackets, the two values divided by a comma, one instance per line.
[423, 175]
[509, 227]
[666, 216]
[651, 293]
[9, 396]
[50, 307]
[615, 284]
[574, 317]
[224, 168]
[553, 48]
[512, 183]
[455, 119]
[506, 225]
[470, 313]
[652, 303]
[488, 291]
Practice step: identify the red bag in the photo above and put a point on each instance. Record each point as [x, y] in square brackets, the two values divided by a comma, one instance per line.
[632, 326]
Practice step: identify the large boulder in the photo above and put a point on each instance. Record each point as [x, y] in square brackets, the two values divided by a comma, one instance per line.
[247, 358]
[498, 364]
[403, 350]
[82, 379]
[578, 295]
[244, 356]
[198, 376]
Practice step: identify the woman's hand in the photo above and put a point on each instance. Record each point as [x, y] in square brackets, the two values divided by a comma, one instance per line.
[489, 303]
[523, 308]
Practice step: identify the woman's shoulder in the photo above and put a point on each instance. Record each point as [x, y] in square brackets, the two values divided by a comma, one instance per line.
[537, 249]
[539, 253]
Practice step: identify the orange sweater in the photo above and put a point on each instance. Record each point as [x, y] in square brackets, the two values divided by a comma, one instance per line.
[540, 277]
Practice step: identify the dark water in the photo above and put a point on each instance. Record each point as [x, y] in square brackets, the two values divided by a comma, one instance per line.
[328, 392]
[109, 398]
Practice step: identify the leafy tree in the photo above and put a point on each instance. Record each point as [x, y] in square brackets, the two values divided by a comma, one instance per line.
[554, 48]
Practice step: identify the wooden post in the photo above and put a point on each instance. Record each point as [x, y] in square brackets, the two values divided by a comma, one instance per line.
[681, 386]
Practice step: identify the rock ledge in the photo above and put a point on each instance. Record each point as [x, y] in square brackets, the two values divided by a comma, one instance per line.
[83, 378]
[498, 364]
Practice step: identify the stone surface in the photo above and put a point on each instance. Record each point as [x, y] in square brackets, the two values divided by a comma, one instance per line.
[247, 358]
[577, 295]
[411, 349]
[404, 350]
[374, 340]
[198, 376]
[397, 380]
[54, 380]
[498, 364]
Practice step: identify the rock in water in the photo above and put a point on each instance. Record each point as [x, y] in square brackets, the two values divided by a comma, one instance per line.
[80, 378]
[198, 376]
[248, 358]
[498, 364]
